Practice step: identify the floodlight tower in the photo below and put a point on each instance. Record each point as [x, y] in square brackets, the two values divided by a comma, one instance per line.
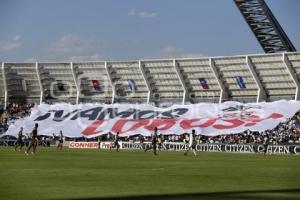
[265, 27]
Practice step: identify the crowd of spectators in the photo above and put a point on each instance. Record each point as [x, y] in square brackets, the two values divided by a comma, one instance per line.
[285, 133]
[13, 112]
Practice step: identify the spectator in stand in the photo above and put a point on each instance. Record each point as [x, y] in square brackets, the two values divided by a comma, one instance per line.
[287, 132]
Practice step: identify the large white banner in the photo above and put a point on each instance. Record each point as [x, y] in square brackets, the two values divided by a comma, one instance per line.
[90, 120]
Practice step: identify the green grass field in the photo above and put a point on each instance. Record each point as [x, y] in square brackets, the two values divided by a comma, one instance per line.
[100, 174]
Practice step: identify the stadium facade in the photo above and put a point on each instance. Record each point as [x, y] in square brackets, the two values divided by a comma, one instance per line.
[160, 82]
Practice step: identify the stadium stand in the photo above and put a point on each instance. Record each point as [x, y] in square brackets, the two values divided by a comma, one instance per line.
[22, 82]
[249, 78]
[192, 72]
[2, 87]
[164, 81]
[275, 76]
[13, 111]
[57, 82]
[93, 82]
[292, 61]
[128, 81]
[232, 68]
[287, 132]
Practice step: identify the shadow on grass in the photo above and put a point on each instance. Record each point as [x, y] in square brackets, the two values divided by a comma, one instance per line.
[284, 194]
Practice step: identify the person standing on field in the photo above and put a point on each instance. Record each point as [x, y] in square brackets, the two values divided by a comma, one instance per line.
[20, 141]
[34, 140]
[153, 142]
[116, 142]
[192, 143]
[60, 140]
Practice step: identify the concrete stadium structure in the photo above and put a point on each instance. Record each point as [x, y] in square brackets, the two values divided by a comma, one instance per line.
[159, 82]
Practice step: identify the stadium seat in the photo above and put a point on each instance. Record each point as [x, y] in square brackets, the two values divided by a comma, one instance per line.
[22, 80]
[274, 75]
[246, 78]
[93, 82]
[129, 81]
[231, 67]
[195, 69]
[58, 82]
[164, 80]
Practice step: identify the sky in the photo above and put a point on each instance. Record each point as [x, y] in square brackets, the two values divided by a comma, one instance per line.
[98, 30]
